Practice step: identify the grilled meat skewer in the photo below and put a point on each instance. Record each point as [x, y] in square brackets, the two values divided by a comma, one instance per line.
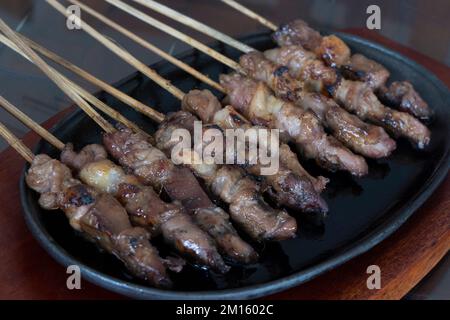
[295, 189]
[368, 140]
[335, 53]
[146, 209]
[99, 217]
[356, 97]
[247, 207]
[255, 102]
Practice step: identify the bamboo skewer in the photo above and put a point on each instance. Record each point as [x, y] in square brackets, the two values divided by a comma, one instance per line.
[188, 21]
[175, 33]
[249, 13]
[210, 31]
[153, 75]
[148, 45]
[55, 76]
[30, 123]
[125, 55]
[84, 95]
[16, 144]
[164, 83]
[149, 112]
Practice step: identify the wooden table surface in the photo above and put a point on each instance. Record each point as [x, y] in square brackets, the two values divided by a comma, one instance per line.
[28, 272]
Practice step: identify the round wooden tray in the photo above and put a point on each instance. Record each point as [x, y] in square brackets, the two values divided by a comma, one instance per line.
[28, 272]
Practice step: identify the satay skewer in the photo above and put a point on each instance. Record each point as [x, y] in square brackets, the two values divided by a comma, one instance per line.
[99, 217]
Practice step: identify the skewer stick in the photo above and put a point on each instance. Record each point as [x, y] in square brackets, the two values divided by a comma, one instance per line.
[149, 46]
[105, 125]
[175, 33]
[15, 143]
[30, 123]
[125, 55]
[114, 114]
[137, 105]
[55, 76]
[210, 31]
[164, 83]
[188, 21]
[249, 13]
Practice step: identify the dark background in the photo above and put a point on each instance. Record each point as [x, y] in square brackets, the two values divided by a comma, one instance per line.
[423, 25]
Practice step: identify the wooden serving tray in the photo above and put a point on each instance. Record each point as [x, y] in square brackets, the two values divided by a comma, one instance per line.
[28, 272]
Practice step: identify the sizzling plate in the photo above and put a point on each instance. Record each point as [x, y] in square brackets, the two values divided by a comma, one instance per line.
[363, 212]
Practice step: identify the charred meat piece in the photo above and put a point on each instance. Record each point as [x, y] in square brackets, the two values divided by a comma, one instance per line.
[297, 32]
[356, 97]
[333, 51]
[250, 210]
[50, 179]
[247, 207]
[152, 167]
[255, 102]
[361, 68]
[99, 217]
[289, 160]
[368, 140]
[403, 95]
[202, 103]
[288, 188]
[276, 77]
